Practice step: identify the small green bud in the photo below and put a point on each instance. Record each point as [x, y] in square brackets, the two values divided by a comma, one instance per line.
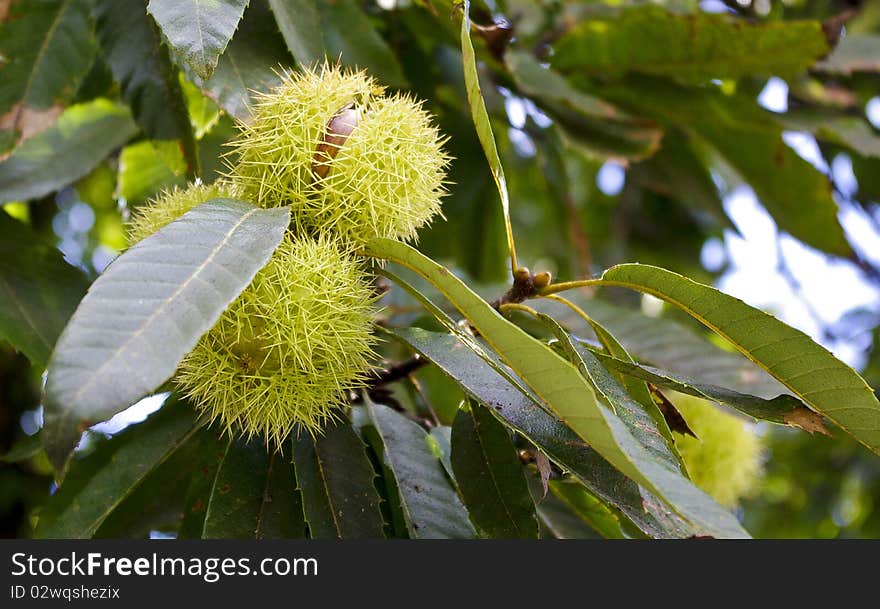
[542, 279]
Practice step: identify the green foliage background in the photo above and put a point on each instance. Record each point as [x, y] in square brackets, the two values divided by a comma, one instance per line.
[103, 103]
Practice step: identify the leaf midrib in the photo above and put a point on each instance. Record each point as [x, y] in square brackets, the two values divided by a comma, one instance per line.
[24, 312]
[214, 488]
[263, 498]
[485, 454]
[177, 444]
[39, 57]
[407, 513]
[330, 502]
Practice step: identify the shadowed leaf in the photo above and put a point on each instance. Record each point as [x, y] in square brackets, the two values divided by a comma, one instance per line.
[336, 481]
[316, 30]
[854, 53]
[248, 64]
[253, 495]
[39, 291]
[586, 120]
[99, 482]
[430, 505]
[51, 47]
[490, 475]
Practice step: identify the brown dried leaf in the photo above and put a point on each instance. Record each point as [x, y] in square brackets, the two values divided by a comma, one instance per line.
[28, 122]
[544, 469]
[497, 36]
[673, 417]
[806, 419]
[833, 26]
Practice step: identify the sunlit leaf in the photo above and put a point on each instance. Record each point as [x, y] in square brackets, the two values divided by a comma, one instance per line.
[562, 389]
[481, 121]
[145, 168]
[586, 506]
[524, 415]
[784, 409]
[810, 371]
[665, 343]
[635, 415]
[688, 47]
[83, 135]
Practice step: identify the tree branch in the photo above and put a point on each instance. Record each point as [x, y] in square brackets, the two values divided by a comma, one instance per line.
[398, 371]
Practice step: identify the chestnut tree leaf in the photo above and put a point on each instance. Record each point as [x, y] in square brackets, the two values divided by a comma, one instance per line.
[524, 415]
[253, 495]
[51, 45]
[80, 139]
[810, 371]
[38, 290]
[336, 480]
[490, 475]
[562, 389]
[430, 505]
[148, 310]
[689, 47]
[102, 480]
[198, 30]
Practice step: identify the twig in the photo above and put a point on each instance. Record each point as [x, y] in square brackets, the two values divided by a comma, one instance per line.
[398, 371]
[567, 285]
[739, 9]
[515, 306]
[525, 285]
[431, 414]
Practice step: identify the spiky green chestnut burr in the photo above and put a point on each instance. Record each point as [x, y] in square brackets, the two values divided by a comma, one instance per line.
[725, 458]
[170, 205]
[290, 348]
[344, 156]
